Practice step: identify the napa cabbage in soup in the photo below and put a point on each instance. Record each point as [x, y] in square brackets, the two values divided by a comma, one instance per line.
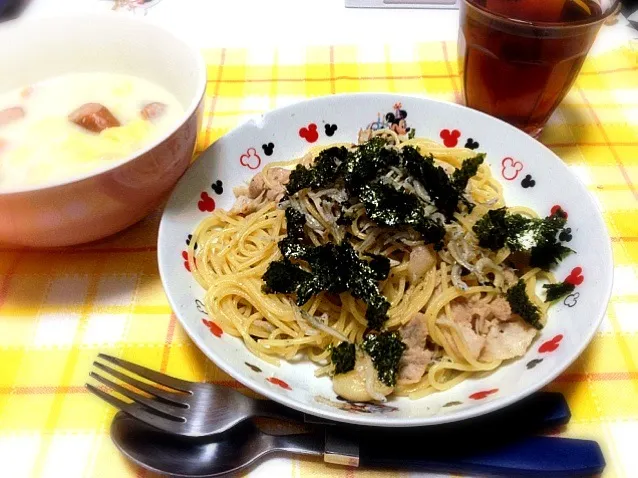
[70, 125]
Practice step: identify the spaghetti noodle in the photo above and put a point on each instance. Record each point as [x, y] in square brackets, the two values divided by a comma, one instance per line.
[447, 305]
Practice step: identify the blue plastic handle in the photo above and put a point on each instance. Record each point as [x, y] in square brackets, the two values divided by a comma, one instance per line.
[540, 411]
[499, 444]
[525, 457]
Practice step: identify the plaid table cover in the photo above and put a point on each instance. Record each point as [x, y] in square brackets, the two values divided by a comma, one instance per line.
[59, 308]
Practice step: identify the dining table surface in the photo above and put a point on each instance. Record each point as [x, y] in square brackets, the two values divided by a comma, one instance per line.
[59, 308]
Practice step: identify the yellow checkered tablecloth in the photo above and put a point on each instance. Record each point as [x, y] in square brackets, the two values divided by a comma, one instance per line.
[58, 309]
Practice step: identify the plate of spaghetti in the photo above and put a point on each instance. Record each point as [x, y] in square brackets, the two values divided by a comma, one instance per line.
[385, 260]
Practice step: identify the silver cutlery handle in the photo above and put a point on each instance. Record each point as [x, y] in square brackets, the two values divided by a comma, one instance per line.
[302, 444]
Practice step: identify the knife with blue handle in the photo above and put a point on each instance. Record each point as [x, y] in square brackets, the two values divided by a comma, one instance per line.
[500, 444]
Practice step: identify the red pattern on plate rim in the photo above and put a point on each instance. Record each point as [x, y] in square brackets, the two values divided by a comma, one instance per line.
[215, 329]
[450, 138]
[557, 207]
[250, 159]
[576, 276]
[483, 394]
[186, 264]
[279, 382]
[551, 345]
[206, 203]
[511, 168]
[309, 133]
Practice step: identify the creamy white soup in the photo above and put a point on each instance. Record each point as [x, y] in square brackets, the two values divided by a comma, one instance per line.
[70, 125]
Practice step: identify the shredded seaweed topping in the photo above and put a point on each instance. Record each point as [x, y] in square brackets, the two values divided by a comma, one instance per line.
[533, 236]
[557, 291]
[343, 357]
[385, 350]
[390, 207]
[329, 268]
[522, 305]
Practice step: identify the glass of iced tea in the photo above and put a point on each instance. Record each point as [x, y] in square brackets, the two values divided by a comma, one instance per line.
[520, 57]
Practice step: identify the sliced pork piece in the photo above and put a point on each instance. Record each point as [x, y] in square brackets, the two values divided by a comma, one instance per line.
[473, 341]
[245, 206]
[461, 312]
[416, 357]
[271, 187]
[422, 259]
[467, 311]
[415, 332]
[507, 340]
[273, 183]
[500, 309]
[153, 110]
[9, 115]
[94, 117]
[477, 318]
[471, 311]
[414, 362]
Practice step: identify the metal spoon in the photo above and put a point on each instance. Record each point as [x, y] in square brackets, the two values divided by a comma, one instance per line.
[245, 444]
[216, 455]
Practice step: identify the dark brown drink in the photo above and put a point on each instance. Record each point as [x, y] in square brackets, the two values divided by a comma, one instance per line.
[520, 57]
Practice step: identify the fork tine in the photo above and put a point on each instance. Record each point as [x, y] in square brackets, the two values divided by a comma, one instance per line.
[149, 374]
[107, 397]
[134, 410]
[150, 403]
[164, 395]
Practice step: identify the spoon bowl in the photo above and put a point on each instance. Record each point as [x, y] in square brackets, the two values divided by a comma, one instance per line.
[234, 450]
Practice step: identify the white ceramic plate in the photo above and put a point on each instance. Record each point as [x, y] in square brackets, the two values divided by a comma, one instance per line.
[531, 176]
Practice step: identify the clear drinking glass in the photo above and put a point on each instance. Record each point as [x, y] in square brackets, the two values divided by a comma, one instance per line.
[520, 58]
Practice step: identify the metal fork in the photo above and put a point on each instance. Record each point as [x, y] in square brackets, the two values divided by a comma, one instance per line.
[190, 409]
